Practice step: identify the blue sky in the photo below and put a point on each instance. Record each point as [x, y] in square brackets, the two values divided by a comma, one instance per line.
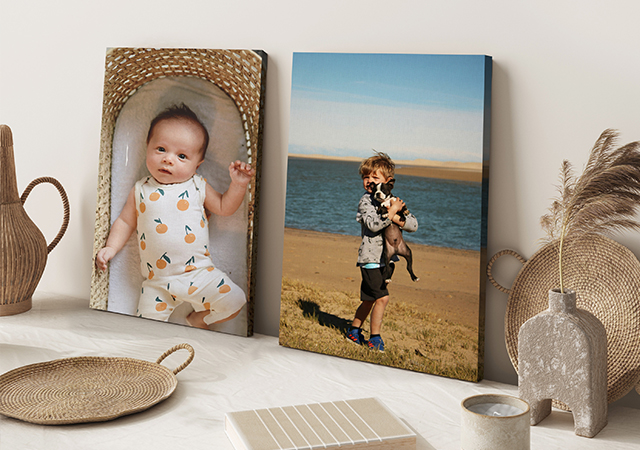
[409, 106]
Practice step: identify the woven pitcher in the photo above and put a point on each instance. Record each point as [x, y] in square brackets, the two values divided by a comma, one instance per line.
[23, 248]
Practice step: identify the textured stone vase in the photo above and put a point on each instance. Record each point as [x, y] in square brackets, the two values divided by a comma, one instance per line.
[562, 355]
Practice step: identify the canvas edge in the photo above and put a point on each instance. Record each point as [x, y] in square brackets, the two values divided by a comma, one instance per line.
[486, 148]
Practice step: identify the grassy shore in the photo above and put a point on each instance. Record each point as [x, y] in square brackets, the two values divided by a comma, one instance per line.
[429, 326]
[317, 320]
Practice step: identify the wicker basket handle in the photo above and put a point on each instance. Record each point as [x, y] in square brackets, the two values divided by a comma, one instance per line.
[493, 259]
[174, 349]
[65, 204]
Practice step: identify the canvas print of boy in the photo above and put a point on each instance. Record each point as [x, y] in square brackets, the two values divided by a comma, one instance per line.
[363, 125]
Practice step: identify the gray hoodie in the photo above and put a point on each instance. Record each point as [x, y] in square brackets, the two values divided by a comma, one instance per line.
[372, 225]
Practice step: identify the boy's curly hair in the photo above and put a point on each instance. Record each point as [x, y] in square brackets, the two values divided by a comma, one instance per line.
[380, 161]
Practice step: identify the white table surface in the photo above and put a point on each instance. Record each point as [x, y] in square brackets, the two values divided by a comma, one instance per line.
[231, 373]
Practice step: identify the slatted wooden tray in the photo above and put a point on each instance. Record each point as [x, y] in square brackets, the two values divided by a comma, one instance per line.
[352, 424]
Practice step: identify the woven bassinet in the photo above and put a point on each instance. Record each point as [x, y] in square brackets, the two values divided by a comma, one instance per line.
[87, 389]
[606, 278]
[239, 73]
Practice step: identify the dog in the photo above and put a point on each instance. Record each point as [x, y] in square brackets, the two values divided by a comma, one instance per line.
[382, 194]
[394, 243]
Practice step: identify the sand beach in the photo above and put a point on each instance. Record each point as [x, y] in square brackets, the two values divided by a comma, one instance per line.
[448, 170]
[449, 282]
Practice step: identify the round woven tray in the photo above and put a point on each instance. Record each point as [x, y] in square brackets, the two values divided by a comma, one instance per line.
[86, 389]
[606, 278]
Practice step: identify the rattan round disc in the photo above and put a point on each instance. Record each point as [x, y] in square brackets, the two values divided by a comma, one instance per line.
[606, 278]
[84, 389]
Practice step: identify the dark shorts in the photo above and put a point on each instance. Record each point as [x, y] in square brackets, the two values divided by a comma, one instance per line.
[373, 285]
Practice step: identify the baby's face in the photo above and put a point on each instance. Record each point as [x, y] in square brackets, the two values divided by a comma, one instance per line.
[173, 152]
[374, 177]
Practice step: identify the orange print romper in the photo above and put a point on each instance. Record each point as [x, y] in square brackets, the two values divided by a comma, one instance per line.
[173, 242]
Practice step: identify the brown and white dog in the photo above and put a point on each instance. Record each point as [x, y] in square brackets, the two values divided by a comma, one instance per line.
[394, 243]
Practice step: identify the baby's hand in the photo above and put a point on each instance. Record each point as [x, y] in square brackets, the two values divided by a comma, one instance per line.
[103, 257]
[241, 172]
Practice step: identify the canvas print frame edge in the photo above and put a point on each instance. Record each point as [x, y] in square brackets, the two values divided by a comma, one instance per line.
[241, 74]
[486, 150]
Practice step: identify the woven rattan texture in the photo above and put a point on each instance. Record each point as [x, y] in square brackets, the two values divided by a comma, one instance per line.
[239, 73]
[65, 205]
[606, 278]
[23, 249]
[85, 389]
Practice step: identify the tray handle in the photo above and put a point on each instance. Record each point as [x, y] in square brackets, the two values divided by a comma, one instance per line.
[493, 259]
[174, 349]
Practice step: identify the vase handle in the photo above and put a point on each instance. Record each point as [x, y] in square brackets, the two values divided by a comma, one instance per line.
[493, 259]
[65, 204]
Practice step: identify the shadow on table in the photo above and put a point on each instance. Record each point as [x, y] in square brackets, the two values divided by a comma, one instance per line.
[421, 443]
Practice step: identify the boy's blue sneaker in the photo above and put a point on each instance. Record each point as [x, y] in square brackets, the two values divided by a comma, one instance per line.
[376, 343]
[355, 335]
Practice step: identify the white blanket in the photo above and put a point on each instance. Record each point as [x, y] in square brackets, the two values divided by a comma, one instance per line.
[232, 373]
[227, 234]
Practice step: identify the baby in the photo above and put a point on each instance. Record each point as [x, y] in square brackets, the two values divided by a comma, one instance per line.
[169, 212]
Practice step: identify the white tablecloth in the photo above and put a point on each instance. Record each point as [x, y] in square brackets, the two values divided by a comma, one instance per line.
[231, 373]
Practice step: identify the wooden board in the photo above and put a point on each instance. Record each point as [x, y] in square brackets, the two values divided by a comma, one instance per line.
[352, 424]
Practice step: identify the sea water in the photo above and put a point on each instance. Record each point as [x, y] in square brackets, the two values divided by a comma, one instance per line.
[323, 195]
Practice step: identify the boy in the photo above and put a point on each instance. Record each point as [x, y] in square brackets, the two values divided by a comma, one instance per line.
[373, 289]
[168, 209]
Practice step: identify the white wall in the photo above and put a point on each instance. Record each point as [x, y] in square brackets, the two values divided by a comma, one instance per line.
[563, 72]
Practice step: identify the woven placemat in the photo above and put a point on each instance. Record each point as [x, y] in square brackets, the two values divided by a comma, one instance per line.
[606, 278]
[86, 389]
